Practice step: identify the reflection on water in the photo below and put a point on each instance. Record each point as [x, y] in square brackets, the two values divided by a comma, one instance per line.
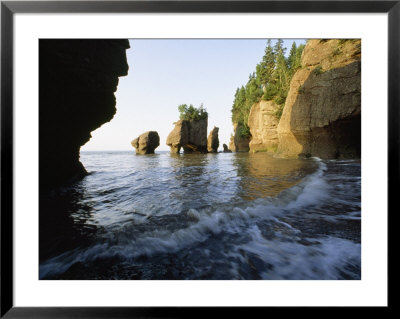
[203, 216]
[265, 176]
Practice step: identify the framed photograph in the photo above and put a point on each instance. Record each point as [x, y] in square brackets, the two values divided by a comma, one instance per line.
[161, 156]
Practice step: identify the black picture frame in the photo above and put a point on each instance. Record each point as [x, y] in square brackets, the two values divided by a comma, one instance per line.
[9, 8]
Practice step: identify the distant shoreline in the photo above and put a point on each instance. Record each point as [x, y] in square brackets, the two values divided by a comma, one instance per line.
[130, 151]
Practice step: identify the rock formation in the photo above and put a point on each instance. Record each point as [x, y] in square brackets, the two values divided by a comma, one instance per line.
[179, 136]
[322, 113]
[146, 143]
[77, 81]
[263, 123]
[226, 149]
[237, 143]
[189, 135]
[213, 141]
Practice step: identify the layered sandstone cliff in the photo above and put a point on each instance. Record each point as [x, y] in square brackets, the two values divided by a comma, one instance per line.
[263, 123]
[322, 113]
[77, 81]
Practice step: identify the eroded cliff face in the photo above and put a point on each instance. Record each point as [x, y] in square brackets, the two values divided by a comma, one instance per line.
[77, 81]
[237, 143]
[189, 135]
[263, 124]
[322, 113]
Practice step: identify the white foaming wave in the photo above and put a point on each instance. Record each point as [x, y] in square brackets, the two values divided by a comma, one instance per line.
[324, 258]
[311, 190]
[356, 215]
[315, 190]
[149, 245]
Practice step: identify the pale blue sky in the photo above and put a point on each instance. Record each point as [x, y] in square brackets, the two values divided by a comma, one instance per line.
[166, 73]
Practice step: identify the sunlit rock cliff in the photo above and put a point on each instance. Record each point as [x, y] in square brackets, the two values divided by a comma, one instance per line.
[189, 135]
[263, 123]
[77, 81]
[322, 113]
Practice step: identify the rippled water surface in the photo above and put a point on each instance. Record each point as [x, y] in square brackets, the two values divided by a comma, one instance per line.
[203, 216]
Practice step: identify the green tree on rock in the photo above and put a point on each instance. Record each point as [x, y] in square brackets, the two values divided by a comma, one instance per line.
[192, 113]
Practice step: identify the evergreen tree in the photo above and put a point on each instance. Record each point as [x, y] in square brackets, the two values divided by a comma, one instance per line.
[278, 48]
[278, 75]
[299, 53]
[238, 104]
[271, 81]
[265, 68]
[292, 58]
[281, 78]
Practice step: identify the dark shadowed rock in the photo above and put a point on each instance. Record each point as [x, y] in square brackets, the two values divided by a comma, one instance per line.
[77, 81]
[189, 135]
[226, 149]
[213, 141]
[146, 143]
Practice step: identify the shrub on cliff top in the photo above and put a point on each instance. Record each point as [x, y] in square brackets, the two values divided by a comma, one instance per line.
[192, 113]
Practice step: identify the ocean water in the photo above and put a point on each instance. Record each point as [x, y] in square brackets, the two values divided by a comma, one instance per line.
[203, 216]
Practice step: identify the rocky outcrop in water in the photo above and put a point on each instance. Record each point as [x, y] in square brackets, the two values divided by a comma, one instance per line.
[77, 81]
[263, 122]
[213, 141]
[179, 136]
[146, 143]
[237, 143]
[322, 113]
[189, 135]
[226, 149]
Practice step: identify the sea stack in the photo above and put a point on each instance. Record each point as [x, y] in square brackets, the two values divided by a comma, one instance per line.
[146, 143]
[213, 141]
[226, 149]
[189, 135]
